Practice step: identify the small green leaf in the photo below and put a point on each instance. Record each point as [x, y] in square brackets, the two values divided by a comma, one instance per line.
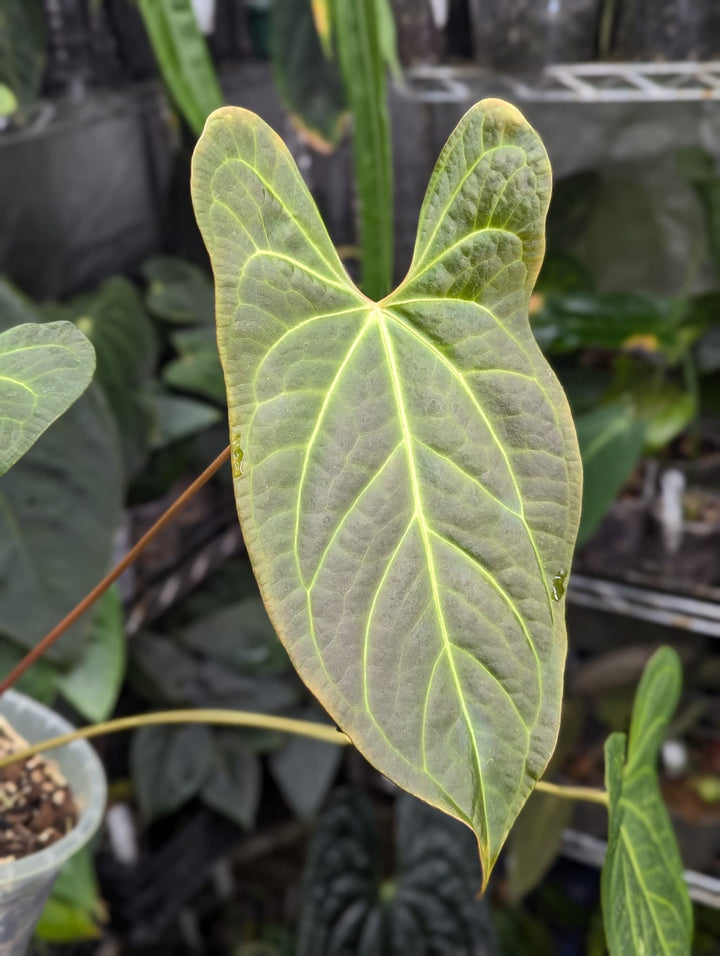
[169, 765]
[178, 291]
[183, 58]
[410, 479]
[177, 417]
[43, 370]
[428, 905]
[234, 779]
[304, 769]
[361, 57]
[646, 907]
[198, 369]
[93, 684]
[611, 442]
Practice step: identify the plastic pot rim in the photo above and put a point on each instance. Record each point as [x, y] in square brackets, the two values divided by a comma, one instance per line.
[91, 810]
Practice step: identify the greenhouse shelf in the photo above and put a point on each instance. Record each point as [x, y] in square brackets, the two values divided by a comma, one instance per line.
[575, 82]
[629, 600]
[590, 850]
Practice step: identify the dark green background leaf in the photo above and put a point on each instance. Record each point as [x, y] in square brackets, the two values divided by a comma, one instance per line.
[169, 764]
[307, 80]
[234, 779]
[428, 906]
[59, 510]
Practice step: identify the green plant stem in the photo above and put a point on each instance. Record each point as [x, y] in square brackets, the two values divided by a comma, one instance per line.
[241, 718]
[99, 589]
[226, 718]
[588, 794]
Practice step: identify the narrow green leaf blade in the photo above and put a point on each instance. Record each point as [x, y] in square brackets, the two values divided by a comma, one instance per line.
[357, 32]
[183, 58]
[406, 472]
[646, 907]
[43, 370]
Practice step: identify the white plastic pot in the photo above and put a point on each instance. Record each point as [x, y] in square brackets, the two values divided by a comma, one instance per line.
[25, 884]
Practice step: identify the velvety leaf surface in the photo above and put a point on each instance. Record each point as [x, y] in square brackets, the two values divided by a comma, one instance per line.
[43, 370]
[646, 907]
[427, 906]
[406, 472]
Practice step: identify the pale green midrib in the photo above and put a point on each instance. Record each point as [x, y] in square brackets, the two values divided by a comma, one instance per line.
[637, 870]
[407, 435]
[460, 379]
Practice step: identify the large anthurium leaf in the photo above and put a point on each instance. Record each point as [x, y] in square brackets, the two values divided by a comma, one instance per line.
[646, 906]
[43, 370]
[428, 905]
[406, 472]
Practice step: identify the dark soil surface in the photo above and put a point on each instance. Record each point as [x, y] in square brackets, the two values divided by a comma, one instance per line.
[36, 805]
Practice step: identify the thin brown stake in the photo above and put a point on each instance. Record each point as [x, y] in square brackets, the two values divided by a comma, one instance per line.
[112, 577]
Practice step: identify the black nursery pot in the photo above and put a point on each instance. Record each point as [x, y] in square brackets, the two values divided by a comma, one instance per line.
[672, 30]
[522, 36]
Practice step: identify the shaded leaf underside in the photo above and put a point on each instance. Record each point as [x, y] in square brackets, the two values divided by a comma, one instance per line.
[406, 471]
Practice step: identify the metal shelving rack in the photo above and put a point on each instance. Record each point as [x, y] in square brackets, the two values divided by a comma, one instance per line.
[576, 82]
